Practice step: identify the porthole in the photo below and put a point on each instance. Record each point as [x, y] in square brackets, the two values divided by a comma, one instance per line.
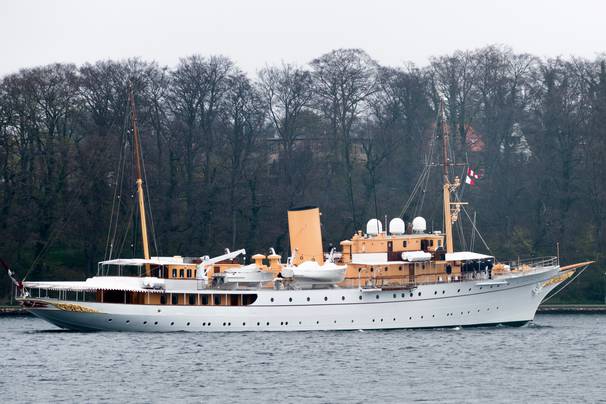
[458, 290]
[381, 320]
[480, 288]
[203, 324]
[172, 323]
[271, 300]
[421, 316]
[373, 320]
[352, 321]
[109, 319]
[433, 315]
[419, 293]
[308, 299]
[145, 322]
[268, 323]
[209, 324]
[281, 323]
[360, 297]
[394, 295]
[335, 321]
[443, 291]
[377, 296]
[470, 289]
[258, 323]
[127, 321]
[403, 294]
[286, 323]
[435, 292]
[299, 323]
[342, 297]
[155, 323]
[461, 313]
[290, 299]
[243, 324]
[317, 322]
[410, 294]
[224, 324]
[410, 318]
[325, 298]
[394, 319]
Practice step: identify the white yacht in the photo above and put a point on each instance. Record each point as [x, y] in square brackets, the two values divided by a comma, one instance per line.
[381, 279]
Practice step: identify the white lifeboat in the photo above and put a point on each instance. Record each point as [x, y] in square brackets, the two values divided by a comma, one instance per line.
[247, 274]
[312, 272]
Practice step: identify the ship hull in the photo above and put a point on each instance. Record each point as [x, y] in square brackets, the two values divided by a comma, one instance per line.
[512, 301]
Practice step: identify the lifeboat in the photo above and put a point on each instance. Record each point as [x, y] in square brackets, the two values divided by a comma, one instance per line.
[312, 272]
[247, 275]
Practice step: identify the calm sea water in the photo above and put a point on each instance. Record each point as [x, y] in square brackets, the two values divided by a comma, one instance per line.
[557, 358]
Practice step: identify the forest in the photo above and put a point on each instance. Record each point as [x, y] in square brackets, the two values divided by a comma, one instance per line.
[228, 153]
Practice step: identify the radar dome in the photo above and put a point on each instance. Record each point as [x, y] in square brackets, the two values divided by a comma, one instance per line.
[419, 225]
[396, 226]
[374, 227]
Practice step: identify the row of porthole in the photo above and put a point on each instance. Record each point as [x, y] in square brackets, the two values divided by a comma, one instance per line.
[284, 323]
[378, 296]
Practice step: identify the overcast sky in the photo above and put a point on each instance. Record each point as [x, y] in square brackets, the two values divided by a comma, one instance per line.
[258, 32]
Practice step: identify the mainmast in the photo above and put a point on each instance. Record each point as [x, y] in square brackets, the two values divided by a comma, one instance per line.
[138, 171]
[450, 215]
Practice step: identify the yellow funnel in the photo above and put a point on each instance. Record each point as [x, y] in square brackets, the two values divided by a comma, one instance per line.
[305, 235]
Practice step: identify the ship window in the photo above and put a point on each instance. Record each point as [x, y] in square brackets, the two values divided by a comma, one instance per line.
[162, 299]
[189, 273]
[404, 244]
[192, 299]
[377, 296]
[204, 300]
[342, 297]
[290, 299]
[271, 300]
[360, 297]
[181, 273]
[419, 293]
[195, 273]
[431, 243]
[308, 299]
[217, 300]
[174, 298]
[174, 272]
[233, 300]
[325, 298]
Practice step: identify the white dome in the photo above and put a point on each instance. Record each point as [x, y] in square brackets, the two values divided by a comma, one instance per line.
[374, 227]
[419, 225]
[396, 226]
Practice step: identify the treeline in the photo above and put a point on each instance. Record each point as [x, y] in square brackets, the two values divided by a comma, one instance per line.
[226, 155]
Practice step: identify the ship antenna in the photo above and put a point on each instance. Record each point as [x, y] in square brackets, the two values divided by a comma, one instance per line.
[138, 171]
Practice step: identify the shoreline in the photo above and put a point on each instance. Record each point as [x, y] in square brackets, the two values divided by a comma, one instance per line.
[8, 311]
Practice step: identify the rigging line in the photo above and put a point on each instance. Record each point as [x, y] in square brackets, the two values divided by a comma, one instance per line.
[473, 233]
[113, 213]
[476, 229]
[149, 207]
[118, 208]
[54, 233]
[566, 284]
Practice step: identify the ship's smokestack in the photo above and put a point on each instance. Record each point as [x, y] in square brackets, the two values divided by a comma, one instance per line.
[305, 235]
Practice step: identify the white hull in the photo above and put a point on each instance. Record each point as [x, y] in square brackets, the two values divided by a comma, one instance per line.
[470, 303]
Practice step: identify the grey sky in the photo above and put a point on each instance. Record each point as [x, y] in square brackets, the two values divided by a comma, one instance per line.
[255, 33]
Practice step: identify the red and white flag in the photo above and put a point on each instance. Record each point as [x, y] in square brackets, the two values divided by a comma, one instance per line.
[471, 177]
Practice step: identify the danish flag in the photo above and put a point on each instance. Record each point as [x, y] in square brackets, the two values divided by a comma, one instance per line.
[471, 178]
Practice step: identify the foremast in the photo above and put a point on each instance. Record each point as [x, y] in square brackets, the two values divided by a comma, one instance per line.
[451, 209]
[138, 172]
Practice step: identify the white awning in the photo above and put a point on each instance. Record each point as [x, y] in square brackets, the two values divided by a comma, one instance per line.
[378, 263]
[142, 261]
[465, 256]
[132, 284]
